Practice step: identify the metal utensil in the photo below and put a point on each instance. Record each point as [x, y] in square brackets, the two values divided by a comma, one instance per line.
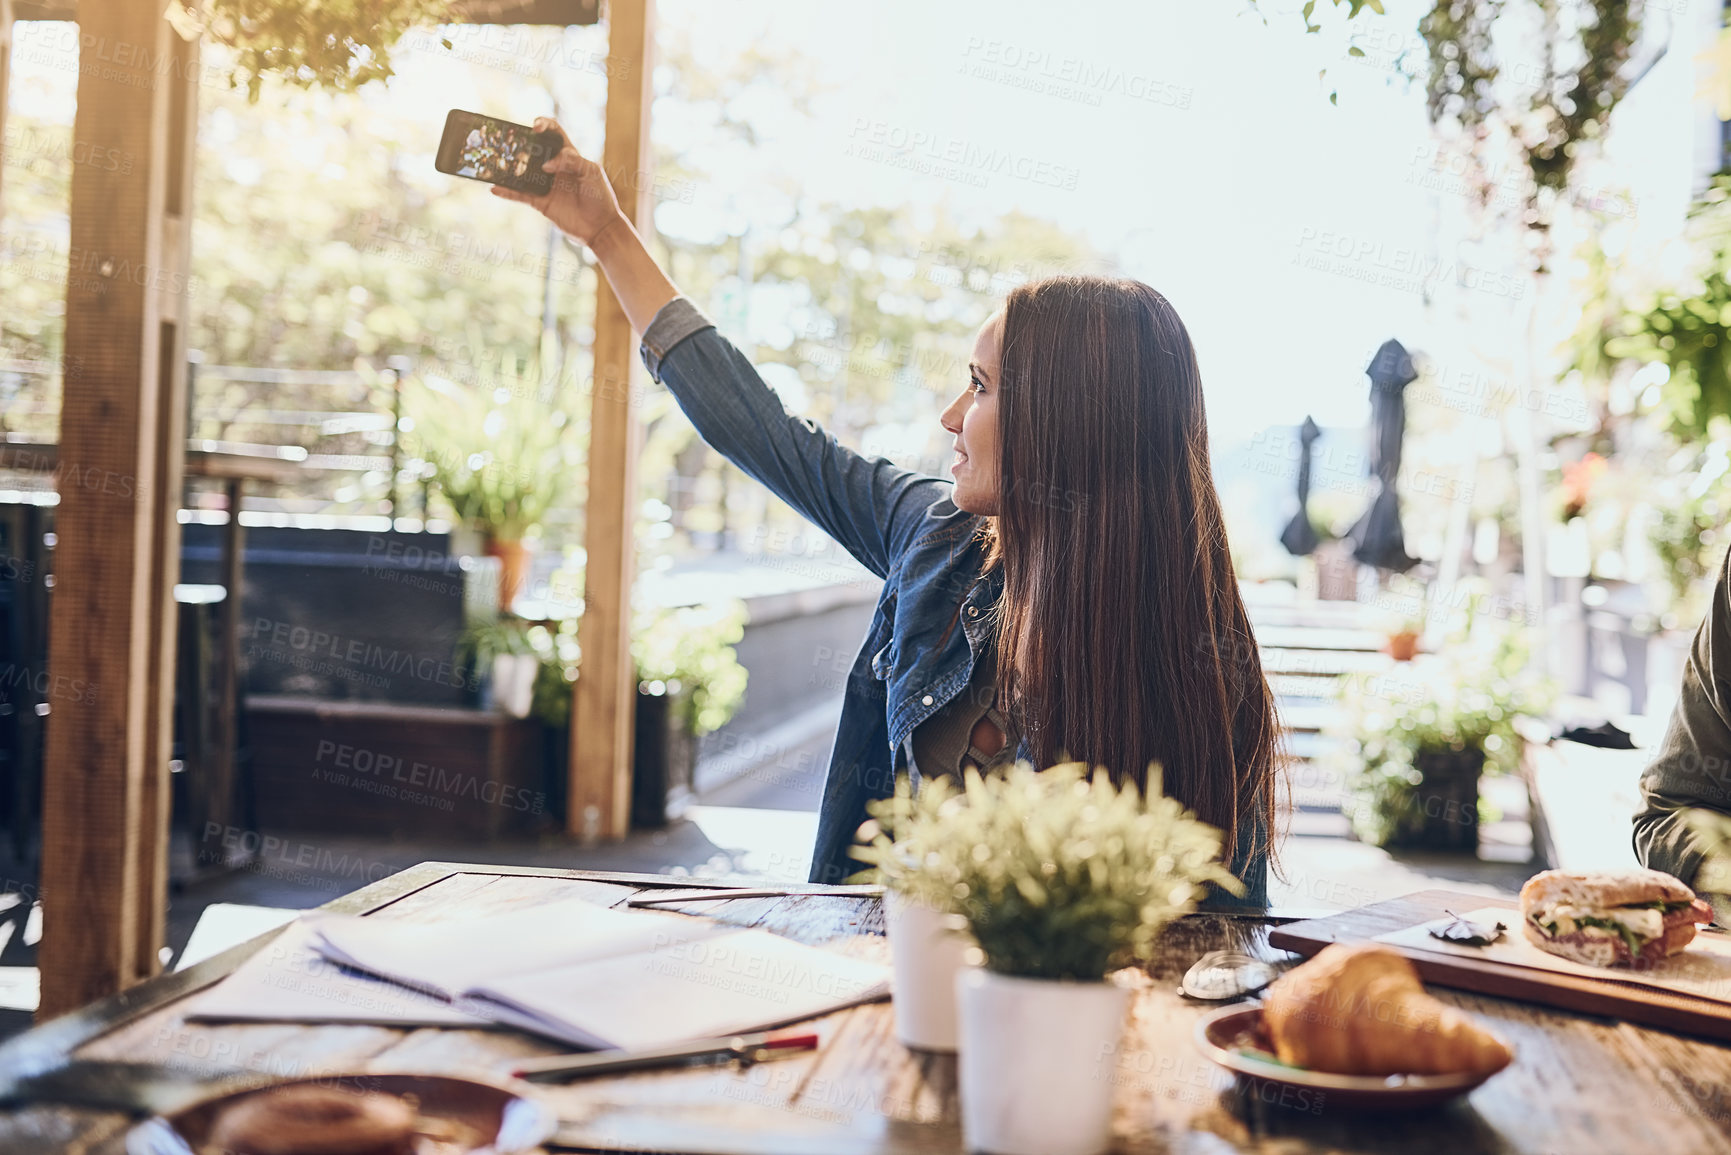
[1222, 976]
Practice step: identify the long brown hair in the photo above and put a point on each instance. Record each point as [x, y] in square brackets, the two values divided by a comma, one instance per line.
[1123, 639]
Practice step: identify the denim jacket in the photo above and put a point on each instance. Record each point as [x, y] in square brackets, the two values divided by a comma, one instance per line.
[899, 524]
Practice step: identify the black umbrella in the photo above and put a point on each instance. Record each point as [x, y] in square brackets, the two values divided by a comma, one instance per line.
[1298, 537]
[1376, 538]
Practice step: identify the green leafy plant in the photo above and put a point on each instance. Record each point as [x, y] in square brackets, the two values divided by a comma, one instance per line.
[1059, 874]
[502, 453]
[555, 645]
[686, 651]
[1686, 327]
[1688, 530]
[1468, 698]
[336, 44]
[691, 648]
[481, 642]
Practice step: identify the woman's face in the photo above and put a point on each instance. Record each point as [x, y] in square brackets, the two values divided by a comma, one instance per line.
[973, 418]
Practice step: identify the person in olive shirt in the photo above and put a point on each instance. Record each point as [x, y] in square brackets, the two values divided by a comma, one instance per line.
[1693, 768]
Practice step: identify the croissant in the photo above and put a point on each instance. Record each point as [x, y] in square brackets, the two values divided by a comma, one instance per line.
[1359, 1009]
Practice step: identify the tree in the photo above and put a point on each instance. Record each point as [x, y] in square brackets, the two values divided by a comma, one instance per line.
[332, 44]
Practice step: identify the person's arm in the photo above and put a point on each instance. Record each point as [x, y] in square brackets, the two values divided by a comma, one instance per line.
[870, 506]
[1693, 767]
[583, 205]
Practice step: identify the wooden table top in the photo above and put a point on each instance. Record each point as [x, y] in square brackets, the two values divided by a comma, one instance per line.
[1578, 1084]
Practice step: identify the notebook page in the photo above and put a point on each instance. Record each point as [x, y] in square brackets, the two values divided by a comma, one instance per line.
[289, 982]
[692, 987]
[447, 958]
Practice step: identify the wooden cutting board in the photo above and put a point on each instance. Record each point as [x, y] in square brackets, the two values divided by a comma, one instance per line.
[1685, 1014]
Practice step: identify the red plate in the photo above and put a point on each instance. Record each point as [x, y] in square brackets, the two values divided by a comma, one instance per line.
[1233, 1038]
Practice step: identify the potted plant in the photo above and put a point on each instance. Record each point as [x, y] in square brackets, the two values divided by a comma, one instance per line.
[928, 938]
[501, 652]
[1400, 618]
[500, 457]
[1414, 744]
[689, 683]
[1061, 878]
[1402, 643]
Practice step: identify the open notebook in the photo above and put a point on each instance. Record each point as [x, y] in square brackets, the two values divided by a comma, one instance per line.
[597, 978]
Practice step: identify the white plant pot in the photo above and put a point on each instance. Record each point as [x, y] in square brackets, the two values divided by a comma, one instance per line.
[1035, 1063]
[927, 949]
[514, 682]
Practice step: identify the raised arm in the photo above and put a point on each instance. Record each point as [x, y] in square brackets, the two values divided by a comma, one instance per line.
[583, 205]
[870, 506]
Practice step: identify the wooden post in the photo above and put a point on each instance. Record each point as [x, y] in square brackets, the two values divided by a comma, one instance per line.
[122, 454]
[6, 28]
[605, 696]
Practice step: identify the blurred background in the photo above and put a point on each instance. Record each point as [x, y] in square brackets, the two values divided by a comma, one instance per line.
[1501, 526]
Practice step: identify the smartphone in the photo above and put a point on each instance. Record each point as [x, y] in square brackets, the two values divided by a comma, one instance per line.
[488, 149]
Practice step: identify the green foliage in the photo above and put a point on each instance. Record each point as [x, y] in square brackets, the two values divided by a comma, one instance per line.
[1688, 532]
[337, 44]
[500, 454]
[556, 645]
[687, 650]
[692, 647]
[1467, 698]
[1059, 875]
[1583, 58]
[1688, 328]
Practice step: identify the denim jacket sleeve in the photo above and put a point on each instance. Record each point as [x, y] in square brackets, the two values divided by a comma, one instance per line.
[1693, 767]
[870, 506]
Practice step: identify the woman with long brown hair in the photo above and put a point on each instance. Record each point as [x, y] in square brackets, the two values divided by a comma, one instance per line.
[1069, 595]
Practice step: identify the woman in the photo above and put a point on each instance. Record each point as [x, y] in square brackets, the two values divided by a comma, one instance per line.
[1070, 595]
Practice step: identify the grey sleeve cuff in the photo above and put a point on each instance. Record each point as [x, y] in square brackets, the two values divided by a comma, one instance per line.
[673, 323]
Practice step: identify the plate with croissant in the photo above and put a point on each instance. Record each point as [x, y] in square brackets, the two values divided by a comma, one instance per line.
[1356, 1024]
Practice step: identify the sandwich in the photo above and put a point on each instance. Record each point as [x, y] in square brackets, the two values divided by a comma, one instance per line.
[1631, 918]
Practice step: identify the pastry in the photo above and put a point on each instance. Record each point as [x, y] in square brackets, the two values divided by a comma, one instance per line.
[313, 1120]
[1360, 1009]
[1631, 918]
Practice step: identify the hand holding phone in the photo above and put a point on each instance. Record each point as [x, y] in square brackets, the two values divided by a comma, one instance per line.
[498, 152]
[582, 204]
[581, 200]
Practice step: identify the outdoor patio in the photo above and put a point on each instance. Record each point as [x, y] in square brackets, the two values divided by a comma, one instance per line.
[375, 501]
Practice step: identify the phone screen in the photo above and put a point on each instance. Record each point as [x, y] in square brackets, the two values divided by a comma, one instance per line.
[486, 148]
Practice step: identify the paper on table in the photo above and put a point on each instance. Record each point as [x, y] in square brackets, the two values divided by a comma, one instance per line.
[1703, 970]
[450, 957]
[687, 988]
[595, 977]
[289, 981]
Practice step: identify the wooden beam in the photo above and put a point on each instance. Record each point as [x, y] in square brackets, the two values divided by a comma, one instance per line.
[7, 27]
[174, 150]
[605, 696]
[105, 792]
[525, 12]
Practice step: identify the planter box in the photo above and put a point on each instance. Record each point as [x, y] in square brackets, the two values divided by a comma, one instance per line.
[1444, 808]
[663, 761]
[350, 614]
[395, 771]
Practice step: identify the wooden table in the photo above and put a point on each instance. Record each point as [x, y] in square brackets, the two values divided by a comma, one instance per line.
[1577, 1085]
